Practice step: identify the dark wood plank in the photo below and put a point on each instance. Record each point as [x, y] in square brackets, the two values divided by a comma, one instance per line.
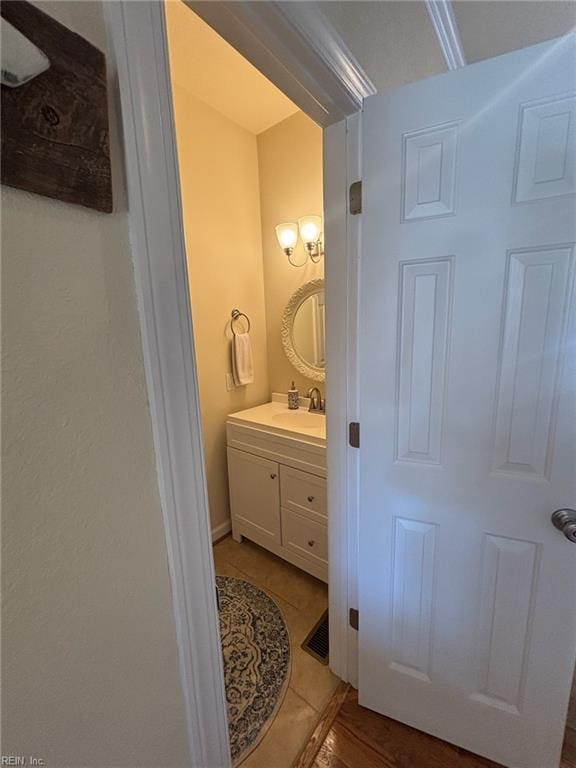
[352, 750]
[55, 128]
[308, 754]
[360, 738]
[328, 756]
[569, 751]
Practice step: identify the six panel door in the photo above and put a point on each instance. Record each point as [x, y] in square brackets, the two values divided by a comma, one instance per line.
[467, 592]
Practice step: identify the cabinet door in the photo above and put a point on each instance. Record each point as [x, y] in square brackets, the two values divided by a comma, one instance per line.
[254, 496]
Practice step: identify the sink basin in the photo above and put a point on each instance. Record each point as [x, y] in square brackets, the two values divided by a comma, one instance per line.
[298, 419]
[278, 419]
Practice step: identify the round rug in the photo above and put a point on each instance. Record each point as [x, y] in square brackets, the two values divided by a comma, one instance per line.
[256, 650]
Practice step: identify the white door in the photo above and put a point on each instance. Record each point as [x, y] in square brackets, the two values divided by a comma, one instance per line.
[467, 383]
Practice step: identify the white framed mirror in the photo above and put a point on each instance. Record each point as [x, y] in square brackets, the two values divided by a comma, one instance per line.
[303, 335]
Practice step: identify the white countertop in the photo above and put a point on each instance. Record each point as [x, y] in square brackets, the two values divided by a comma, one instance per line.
[276, 417]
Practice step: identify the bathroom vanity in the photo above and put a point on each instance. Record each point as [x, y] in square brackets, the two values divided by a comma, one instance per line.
[277, 479]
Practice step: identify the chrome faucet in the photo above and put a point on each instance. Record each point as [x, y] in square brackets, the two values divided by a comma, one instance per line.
[316, 403]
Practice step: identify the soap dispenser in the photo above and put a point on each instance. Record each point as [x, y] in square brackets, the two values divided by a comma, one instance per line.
[293, 398]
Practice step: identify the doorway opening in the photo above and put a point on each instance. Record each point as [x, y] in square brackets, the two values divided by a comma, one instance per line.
[173, 511]
[250, 167]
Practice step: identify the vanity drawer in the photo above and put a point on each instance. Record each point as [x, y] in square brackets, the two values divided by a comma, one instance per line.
[303, 493]
[304, 536]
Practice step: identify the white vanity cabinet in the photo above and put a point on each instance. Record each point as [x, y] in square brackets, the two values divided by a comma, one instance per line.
[277, 480]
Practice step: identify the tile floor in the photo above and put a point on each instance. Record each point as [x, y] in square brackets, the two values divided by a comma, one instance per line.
[302, 600]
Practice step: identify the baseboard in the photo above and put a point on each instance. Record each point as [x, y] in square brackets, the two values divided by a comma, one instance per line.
[221, 530]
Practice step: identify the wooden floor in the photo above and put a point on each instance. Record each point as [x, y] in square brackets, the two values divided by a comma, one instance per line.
[359, 738]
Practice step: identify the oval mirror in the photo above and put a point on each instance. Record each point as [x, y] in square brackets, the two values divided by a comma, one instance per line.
[303, 330]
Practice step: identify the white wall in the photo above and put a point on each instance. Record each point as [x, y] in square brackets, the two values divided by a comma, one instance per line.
[90, 674]
[236, 186]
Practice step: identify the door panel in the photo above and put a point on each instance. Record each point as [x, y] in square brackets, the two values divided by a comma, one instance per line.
[413, 592]
[467, 599]
[425, 299]
[535, 303]
[429, 172]
[546, 162]
[506, 603]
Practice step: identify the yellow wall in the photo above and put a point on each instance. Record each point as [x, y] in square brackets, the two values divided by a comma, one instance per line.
[221, 203]
[221, 77]
[236, 187]
[90, 674]
[290, 167]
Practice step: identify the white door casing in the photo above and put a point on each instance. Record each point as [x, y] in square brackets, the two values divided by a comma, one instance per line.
[467, 404]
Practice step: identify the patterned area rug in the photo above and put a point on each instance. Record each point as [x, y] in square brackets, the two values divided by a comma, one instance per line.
[256, 649]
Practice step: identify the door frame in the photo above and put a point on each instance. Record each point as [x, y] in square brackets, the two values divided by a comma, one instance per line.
[329, 78]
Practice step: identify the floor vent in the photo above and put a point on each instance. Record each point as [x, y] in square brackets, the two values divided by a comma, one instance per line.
[317, 642]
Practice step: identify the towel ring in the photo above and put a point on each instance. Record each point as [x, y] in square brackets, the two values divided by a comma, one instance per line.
[236, 315]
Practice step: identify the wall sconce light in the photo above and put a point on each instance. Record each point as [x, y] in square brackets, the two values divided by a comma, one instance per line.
[287, 235]
[311, 233]
[310, 228]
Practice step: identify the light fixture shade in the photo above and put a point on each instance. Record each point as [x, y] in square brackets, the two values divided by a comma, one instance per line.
[310, 228]
[287, 235]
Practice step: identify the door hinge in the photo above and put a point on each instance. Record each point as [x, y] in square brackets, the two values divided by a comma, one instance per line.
[355, 202]
[354, 434]
[354, 618]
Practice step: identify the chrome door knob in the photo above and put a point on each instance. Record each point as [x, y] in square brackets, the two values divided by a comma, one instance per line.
[565, 521]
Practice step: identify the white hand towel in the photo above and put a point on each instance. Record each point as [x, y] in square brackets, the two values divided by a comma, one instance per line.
[242, 363]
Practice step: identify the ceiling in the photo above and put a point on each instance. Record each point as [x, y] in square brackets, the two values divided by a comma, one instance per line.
[395, 43]
[209, 68]
[491, 27]
[393, 40]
